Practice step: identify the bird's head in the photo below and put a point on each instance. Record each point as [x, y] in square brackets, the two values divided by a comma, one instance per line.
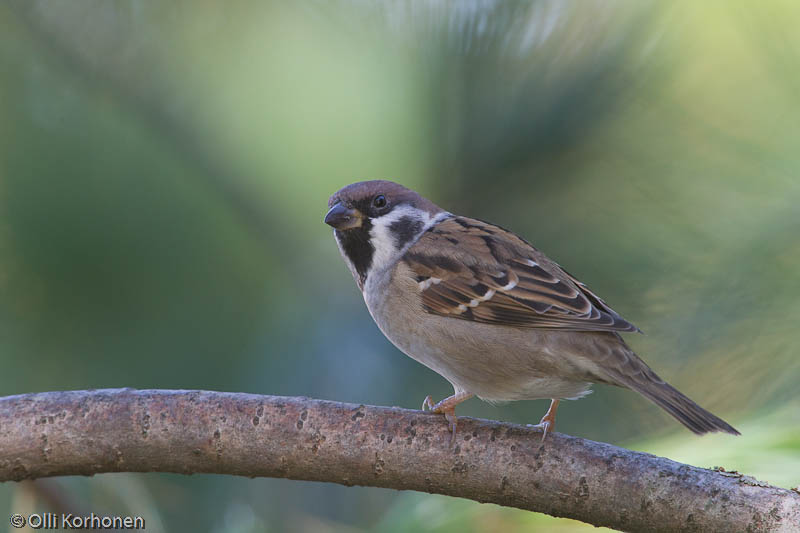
[375, 221]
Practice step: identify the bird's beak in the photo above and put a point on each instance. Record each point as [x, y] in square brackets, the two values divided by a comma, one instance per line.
[342, 218]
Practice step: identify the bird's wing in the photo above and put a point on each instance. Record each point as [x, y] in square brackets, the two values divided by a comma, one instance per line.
[473, 270]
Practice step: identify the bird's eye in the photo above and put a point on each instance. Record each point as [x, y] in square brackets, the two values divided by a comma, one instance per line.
[379, 201]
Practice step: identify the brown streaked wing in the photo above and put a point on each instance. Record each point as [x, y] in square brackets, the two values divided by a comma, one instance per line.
[502, 279]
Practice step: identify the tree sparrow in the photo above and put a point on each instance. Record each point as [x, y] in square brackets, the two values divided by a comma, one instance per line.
[486, 310]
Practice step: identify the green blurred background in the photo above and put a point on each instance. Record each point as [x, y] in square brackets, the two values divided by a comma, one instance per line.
[165, 167]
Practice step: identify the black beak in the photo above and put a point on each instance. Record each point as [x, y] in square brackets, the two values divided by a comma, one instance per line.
[341, 217]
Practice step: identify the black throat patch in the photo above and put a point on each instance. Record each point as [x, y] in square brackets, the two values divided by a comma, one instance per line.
[357, 247]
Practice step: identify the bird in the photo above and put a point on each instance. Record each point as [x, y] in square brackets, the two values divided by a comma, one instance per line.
[486, 310]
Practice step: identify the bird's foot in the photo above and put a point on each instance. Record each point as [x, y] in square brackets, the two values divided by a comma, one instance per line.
[447, 407]
[427, 403]
[548, 422]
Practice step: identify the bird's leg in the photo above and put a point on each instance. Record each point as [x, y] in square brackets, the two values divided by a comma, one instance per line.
[448, 408]
[548, 422]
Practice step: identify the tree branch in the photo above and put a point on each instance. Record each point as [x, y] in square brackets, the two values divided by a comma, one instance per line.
[124, 430]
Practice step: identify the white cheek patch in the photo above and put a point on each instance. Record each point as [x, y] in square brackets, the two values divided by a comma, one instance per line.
[385, 241]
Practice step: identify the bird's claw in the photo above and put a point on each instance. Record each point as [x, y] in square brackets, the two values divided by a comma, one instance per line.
[449, 415]
[427, 403]
[447, 407]
[544, 425]
[548, 422]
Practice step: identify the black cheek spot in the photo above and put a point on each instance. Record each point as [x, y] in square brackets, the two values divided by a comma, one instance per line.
[405, 229]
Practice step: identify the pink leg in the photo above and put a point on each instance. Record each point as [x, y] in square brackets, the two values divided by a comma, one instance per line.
[448, 408]
[548, 422]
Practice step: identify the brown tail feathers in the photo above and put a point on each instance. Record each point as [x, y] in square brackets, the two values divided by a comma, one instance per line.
[633, 373]
[688, 413]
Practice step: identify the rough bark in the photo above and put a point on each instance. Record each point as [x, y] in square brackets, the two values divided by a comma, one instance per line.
[123, 430]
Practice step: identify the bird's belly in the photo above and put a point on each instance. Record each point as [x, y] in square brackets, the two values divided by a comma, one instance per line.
[496, 363]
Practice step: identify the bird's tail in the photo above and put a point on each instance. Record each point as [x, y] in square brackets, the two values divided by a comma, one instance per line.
[688, 413]
[639, 377]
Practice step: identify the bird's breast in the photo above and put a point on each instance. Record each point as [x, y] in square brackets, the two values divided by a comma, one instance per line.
[496, 363]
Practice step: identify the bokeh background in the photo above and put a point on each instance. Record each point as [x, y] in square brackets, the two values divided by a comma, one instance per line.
[165, 167]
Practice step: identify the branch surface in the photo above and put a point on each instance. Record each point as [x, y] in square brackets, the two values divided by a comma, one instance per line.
[124, 430]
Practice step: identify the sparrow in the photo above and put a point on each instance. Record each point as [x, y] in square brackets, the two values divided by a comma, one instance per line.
[486, 310]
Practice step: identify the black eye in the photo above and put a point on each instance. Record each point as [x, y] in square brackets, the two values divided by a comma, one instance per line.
[379, 201]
